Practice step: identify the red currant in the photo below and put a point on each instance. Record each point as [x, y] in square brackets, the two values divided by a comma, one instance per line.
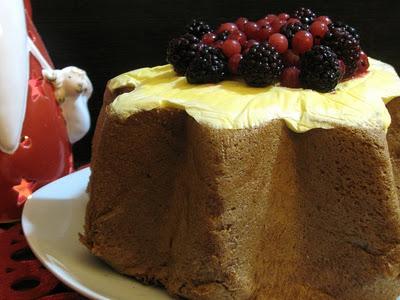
[209, 38]
[250, 43]
[262, 22]
[293, 20]
[318, 29]
[291, 59]
[290, 77]
[231, 47]
[277, 24]
[279, 42]
[363, 63]
[302, 42]
[231, 27]
[264, 33]
[271, 17]
[233, 63]
[251, 30]
[218, 44]
[324, 19]
[241, 22]
[283, 16]
[239, 36]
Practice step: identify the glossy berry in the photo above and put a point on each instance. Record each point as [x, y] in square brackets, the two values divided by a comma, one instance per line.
[208, 66]
[264, 33]
[198, 28]
[289, 30]
[277, 25]
[222, 36]
[251, 43]
[318, 29]
[363, 63]
[233, 63]
[346, 46]
[342, 69]
[181, 51]
[251, 30]
[261, 65]
[231, 47]
[305, 15]
[271, 17]
[319, 69]
[241, 22]
[262, 22]
[279, 42]
[290, 77]
[324, 19]
[283, 16]
[293, 20]
[238, 36]
[218, 44]
[290, 59]
[231, 27]
[302, 42]
[346, 27]
[209, 38]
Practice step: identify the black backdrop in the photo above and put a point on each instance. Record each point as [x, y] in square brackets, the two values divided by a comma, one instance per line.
[108, 37]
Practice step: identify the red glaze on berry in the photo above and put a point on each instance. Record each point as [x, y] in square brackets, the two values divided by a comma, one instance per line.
[302, 42]
[218, 44]
[231, 47]
[318, 29]
[233, 63]
[277, 24]
[363, 63]
[209, 38]
[290, 59]
[262, 22]
[290, 77]
[293, 20]
[324, 19]
[251, 30]
[264, 33]
[231, 27]
[239, 36]
[241, 22]
[279, 42]
[283, 16]
[271, 17]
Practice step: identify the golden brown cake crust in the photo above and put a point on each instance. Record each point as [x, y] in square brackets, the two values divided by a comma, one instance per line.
[260, 213]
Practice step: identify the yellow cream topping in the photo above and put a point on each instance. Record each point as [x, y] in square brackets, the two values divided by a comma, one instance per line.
[232, 104]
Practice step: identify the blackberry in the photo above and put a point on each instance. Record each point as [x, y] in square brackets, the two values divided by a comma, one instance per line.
[208, 66]
[181, 51]
[223, 35]
[289, 30]
[261, 65]
[305, 15]
[320, 69]
[346, 27]
[198, 28]
[346, 46]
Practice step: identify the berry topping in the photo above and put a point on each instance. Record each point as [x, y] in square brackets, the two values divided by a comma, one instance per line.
[264, 33]
[251, 43]
[290, 29]
[279, 42]
[342, 68]
[261, 65]
[277, 24]
[363, 63]
[283, 16]
[233, 63]
[320, 69]
[290, 77]
[263, 22]
[209, 38]
[241, 22]
[290, 59]
[324, 19]
[302, 42]
[181, 51]
[222, 36]
[239, 36]
[251, 30]
[271, 17]
[318, 29]
[293, 20]
[346, 46]
[218, 44]
[208, 66]
[346, 27]
[198, 28]
[305, 15]
[231, 27]
[231, 47]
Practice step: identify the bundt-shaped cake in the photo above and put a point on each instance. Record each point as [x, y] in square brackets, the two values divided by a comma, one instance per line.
[225, 191]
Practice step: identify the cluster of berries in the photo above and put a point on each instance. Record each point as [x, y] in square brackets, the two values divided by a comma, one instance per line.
[297, 50]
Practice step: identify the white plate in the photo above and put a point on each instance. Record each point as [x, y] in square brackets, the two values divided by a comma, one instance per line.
[51, 220]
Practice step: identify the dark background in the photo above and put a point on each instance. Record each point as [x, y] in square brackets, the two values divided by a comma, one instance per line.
[108, 37]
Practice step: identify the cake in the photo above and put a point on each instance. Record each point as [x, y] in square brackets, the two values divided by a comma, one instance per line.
[227, 191]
